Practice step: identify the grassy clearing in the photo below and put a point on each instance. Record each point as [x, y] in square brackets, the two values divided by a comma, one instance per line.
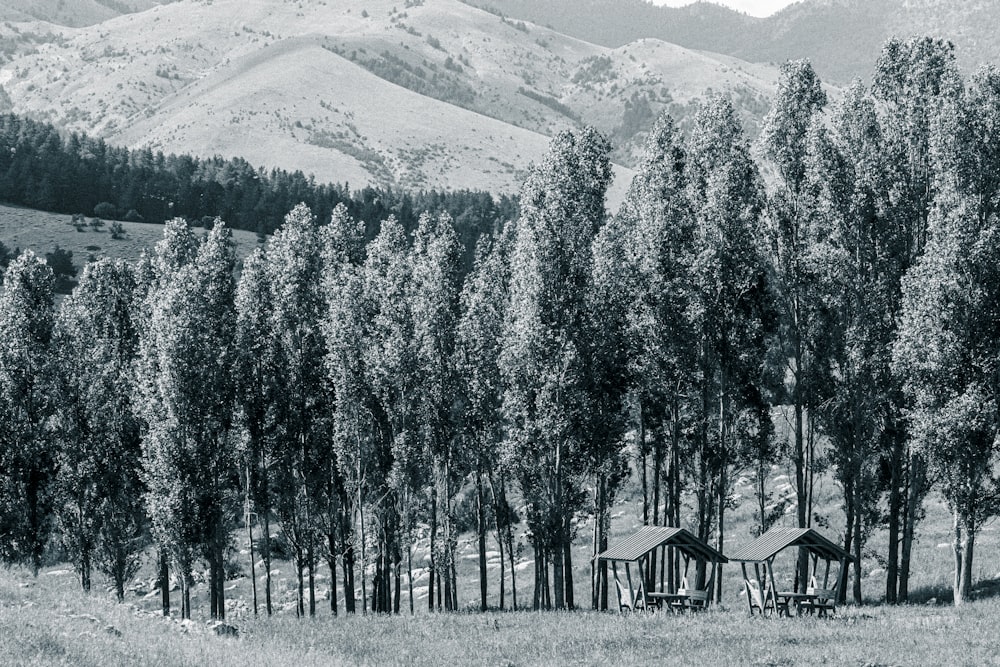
[26, 228]
[47, 622]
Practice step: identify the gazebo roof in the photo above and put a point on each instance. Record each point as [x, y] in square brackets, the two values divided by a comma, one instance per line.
[775, 540]
[648, 538]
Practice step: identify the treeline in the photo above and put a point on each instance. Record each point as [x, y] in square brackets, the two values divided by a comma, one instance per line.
[43, 168]
[344, 393]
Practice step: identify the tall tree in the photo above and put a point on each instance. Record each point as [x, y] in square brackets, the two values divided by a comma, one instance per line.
[26, 404]
[857, 259]
[434, 298]
[655, 229]
[353, 409]
[544, 358]
[947, 354]
[790, 235]
[303, 401]
[99, 487]
[389, 365]
[913, 81]
[258, 386]
[480, 331]
[731, 308]
[186, 360]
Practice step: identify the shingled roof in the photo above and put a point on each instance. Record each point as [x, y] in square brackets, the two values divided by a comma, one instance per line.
[777, 539]
[648, 538]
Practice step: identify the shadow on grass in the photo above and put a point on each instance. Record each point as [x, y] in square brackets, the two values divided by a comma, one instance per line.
[944, 595]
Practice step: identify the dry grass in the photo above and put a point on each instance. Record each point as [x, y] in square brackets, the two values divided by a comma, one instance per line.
[26, 228]
[47, 622]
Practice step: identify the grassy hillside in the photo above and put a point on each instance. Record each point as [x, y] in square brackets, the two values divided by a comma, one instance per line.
[39, 231]
[419, 95]
[841, 37]
[75, 13]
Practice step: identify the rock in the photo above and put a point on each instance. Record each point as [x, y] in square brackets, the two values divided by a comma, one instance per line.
[932, 601]
[226, 630]
[113, 631]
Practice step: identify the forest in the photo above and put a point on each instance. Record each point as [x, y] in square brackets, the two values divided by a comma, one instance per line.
[331, 399]
[45, 169]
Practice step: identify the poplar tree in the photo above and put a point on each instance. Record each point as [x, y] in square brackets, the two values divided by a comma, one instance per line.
[790, 237]
[544, 358]
[913, 81]
[389, 363]
[434, 297]
[656, 230]
[353, 409]
[99, 487]
[26, 404]
[731, 309]
[856, 257]
[186, 363]
[484, 302]
[303, 399]
[257, 374]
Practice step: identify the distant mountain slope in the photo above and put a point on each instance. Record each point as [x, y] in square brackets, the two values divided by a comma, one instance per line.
[72, 13]
[415, 94]
[841, 37]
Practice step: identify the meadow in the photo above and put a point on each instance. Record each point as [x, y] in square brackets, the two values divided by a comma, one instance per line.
[48, 622]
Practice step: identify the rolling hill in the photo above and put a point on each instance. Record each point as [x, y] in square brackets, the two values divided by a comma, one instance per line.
[841, 37]
[419, 95]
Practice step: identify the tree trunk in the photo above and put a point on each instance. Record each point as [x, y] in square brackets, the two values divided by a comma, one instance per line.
[253, 563]
[332, 564]
[481, 534]
[431, 570]
[801, 497]
[957, 545]
[641, 436]
[969, 540]
[347, 558]
[267, 563]
[568, 572]
[164, 582]
[914, 499]
[300, 607]
[895, 512]
[311, 563]
[409, 574]
[858, 543]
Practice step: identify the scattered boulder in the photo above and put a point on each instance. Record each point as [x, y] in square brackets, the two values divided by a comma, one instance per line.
[113, 631]
[226, 630]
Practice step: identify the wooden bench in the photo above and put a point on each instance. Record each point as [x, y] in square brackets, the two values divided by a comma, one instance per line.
[763, 601]
[629, 600]
[824, 601]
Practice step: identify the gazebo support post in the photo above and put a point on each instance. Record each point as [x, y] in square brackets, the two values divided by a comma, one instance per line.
[663, 566]
[631, 591]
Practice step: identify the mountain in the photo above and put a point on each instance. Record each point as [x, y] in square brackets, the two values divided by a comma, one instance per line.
[74, 13]
[405, 94]
[841, 37]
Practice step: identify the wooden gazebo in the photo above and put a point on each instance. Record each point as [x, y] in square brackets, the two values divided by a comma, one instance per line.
[660, 546]
[762, 590]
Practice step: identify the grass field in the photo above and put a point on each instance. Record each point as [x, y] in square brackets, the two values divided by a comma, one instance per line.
[48, 622]
[39, 231]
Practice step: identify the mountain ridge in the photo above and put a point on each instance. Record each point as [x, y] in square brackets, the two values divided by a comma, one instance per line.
[433, 94]
[841, 37]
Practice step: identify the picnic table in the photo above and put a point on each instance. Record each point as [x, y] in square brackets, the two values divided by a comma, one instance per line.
[683, 599]
[791, 599]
